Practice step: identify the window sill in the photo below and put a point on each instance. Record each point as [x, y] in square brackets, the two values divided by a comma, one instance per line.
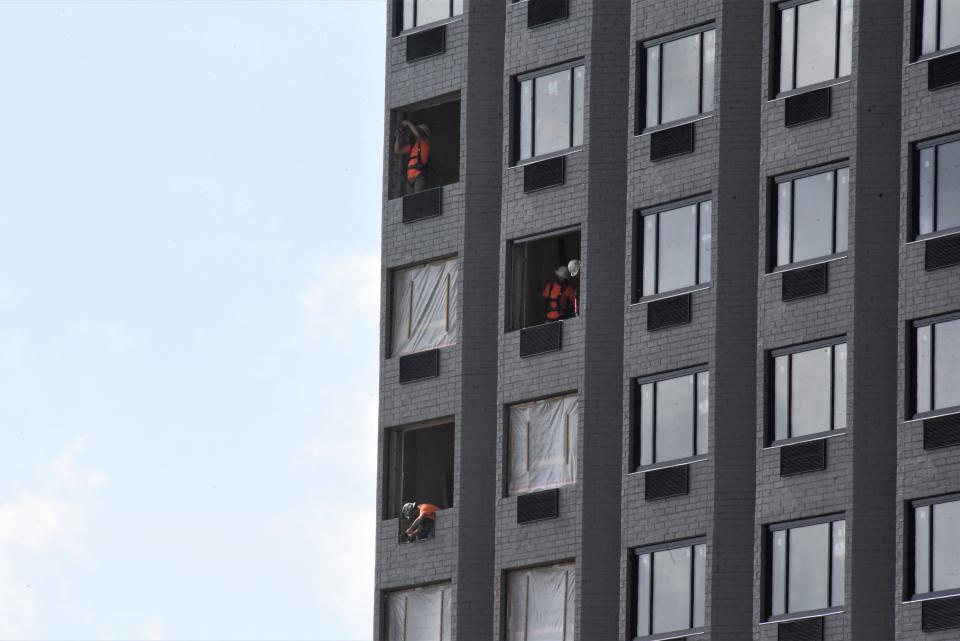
[676, 292]
[517, 330]
[393, 357]
[934, 55]
[806, 438]
[674, 123]
[815, 87]
[810, 262]
[947, 411]
[653, 467]
[555, 154]
[953, 231]
[666, 636]
[809, 614]
[933, 596]
[427, 27]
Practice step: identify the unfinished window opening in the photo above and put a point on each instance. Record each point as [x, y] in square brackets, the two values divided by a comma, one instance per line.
[426, 307]
[546, 280]
[426, 146]
[542, 444]
[420, 614]
[540, 603]
[419, 463]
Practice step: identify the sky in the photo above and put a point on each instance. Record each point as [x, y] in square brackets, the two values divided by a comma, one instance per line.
[190, 203]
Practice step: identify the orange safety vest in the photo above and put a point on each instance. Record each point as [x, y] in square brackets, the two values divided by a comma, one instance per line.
[558, 298]
[418, 159]
[429, 510]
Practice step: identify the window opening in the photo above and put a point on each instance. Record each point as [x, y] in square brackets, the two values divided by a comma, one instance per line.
[540, 603]
[550, 117]
[936, 556]
[676, 247]
[670, 589]
[809, 390]
[419, 473]
[939, 22]
[417, 13]
[542, 444]
[679, 77]
[815, 42]
[546, 280]
[426, 307]
[420, 614]
[937, 365]
[812, 212]
[674, 415]
[807, 567]
[426, 146]
[938, 185]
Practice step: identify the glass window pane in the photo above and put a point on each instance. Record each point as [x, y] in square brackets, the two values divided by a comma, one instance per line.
[949, 24]
[703, 411]
[784, 221]
[706, 240]
[926, 172]
[843, 209]
[838, 575]
[677, 253]
[650, 254]
[643, 595]
[846, 36]
[778, 573]
[457, 7]
[674, 418]
[646, 424]
[699, 583]
[929, 40]
[552, 117]
[709, 68]
[577, 106]
[408, 14]
[787, 17]
[946, 552]
[921, 550]
[948, 185]
[681, 78]
[810, 387]
[809, 562]
[526, 119]
[432, 10]
[924, 368]
[946, 364]
[653, 86]
[816, 42]
[781, 397]
[839, 386]
[671, 590]
[813, 216]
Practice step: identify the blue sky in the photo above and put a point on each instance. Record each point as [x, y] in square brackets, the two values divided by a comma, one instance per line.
[189, 260]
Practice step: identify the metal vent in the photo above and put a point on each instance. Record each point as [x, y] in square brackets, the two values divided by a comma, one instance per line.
[943, 431]
[538, 506]
[942, 252]
[543, 174]
[668, 312]
[421, 366]
[941, 614]
[541, 339]
[425, 204]
[803, 457]
[802, 630]
[541, 12]
[671, 142]
[807, 107]
[424, 44]
[801, 283]
[662, 484]
[943, 72]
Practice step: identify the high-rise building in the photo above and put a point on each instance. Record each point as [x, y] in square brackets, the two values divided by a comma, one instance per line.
[671, 321]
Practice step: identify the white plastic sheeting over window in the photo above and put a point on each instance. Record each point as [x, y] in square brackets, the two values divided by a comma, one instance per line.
[420, 614]
[426, 307]
[540, 603]
[543, 444]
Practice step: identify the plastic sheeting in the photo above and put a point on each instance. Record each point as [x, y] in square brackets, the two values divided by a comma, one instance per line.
[540, 603]
[420, 614]
[426, 307]
[543, 444]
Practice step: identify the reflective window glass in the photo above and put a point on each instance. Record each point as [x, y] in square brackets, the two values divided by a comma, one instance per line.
[670, 590]
[810, 386]
[679, 79]
[948, 185]
[674, 435]
[921, 550]
[812, 216]
[807, 567]
[551, 112]
[946, 551]
[815, 42]
[946, 365]
[676, 248]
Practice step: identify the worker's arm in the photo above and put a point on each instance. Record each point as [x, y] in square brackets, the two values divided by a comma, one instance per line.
[415, 525]
[413, 130]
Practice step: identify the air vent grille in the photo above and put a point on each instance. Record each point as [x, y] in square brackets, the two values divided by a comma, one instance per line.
[668, 312]
[541, 12]
[942, 252]
[802, 630]
[538, 506]
[418, 367]
[425, 204]
[943, 72]
[543, 174]
[671, 142]
[424, 44]
[807, 107]
[541, 339]
[941, 614]
[803, 457]
[801, 283]
[943, 431]
[662, 484]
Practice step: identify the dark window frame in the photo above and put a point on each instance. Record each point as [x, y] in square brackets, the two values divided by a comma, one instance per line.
[776, 40]
[516, 99]
[915, 180]
[640, 126]
[909, 578]
[509, 288]
[636, 454]
[634, 587]
[918, 17]
[639, 242]
[912, 401]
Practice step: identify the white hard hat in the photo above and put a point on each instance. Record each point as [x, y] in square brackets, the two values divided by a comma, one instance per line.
[574, 267]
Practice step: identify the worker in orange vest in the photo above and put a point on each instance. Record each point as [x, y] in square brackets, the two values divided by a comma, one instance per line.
[417, 155]
[422, 526]
[559, 298]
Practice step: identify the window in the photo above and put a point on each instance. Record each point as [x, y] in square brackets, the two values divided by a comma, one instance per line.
[811, 214]
[533, 272]
[936, 555]
[679, 76]
[809, 390]
[542, 444]
[421, 613]
[669, 588]
[441, 159]
[807, 566]
[674, 415]
[417, 13]
[937, 364]
[425, 308]
[419, 467]
[815, 42]
[676, 247]
[938, 184]
[551, 110]
[540, 603]
[939, 22]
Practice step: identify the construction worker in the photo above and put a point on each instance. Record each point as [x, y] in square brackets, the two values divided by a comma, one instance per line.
[417, 155]
[422, 526]
[559, 298]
